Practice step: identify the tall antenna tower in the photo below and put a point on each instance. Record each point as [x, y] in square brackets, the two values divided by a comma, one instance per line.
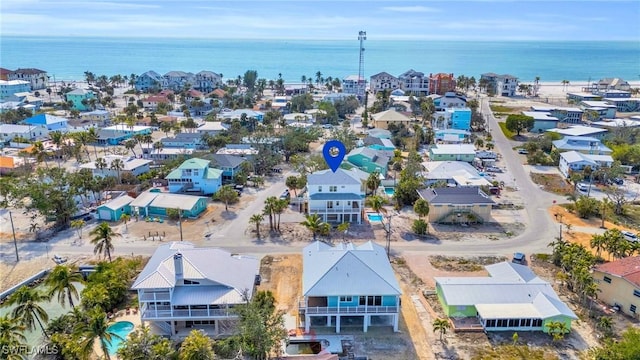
[362, 36]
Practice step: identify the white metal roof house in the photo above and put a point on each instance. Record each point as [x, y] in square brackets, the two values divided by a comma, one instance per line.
[583, 144]
[580, 130]
[571, 161]
[348, 285]
[512, 298]
[183, 287]
[132, 165]
[337, 197]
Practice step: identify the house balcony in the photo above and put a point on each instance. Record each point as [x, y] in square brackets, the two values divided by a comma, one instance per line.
[345, 310]
[335, 210]
[167, 312]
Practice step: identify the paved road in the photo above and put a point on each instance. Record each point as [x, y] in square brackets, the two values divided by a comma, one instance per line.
[539, 231]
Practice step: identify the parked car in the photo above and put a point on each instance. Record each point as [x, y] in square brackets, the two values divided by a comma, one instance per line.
[618, 181]
[519, 258]
[494, 169]
[583, 187]
[629, 236]
[523, 151]
[285, 194]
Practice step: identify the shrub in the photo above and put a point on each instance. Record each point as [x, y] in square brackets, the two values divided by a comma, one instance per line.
[420, 227]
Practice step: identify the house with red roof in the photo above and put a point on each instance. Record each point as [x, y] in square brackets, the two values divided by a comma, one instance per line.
[619, 284]
[151, 102]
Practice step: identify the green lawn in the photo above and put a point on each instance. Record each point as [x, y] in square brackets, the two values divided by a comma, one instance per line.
[505, 131]
[501, 109]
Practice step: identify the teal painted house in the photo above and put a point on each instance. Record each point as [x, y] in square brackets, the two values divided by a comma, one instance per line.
[348, 284]
[368, 160]
[460, 118]
[512, 298]
[113, 210]
[152, 204]
[77, 97]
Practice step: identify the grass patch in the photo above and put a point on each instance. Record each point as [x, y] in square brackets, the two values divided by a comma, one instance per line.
[508, 133]
[453, 263]
[501, 109]
[631, 217]
[552, 183]
[514, 352]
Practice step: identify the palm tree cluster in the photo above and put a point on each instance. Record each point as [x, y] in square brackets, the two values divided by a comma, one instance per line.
[465, 83]
[557, 329]
[273, 208]
[315, 224]
[613, 242]
[575, 262]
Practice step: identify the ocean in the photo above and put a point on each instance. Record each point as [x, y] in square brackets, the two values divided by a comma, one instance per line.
[67, 58]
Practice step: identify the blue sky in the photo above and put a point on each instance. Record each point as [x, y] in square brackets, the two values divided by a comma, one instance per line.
[332, 20]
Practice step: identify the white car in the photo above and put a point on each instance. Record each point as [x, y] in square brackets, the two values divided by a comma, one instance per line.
[583, 187]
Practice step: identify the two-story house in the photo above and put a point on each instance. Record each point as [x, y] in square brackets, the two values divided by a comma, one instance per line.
[38, 79]
[448, 101]
[369, 160]
[348, 285]
[229, 164]
[337, 197]
[383, 119]
[414, 82]
[80, 98]
[50, 122]
[583, 144]
[207, 81]
[151, 102]
[195, 175]
[619, 284]
[29, 132]
[184, 288]
[502, 85]
[573, 161]
[177, 80]
[383, 81]
[8, 88]
[457, 205]
[149, 81]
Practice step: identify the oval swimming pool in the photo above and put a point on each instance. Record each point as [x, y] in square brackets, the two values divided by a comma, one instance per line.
[122, 329]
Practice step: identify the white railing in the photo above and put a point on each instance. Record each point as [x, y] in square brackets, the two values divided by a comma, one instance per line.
[161, 312]
[349, 309]
[154, 296]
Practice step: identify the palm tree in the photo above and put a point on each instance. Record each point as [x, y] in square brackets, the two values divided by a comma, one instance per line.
[441, 325]
[373, 181]
[279, 208]
[226, 194]
[269, 206]
[101, 164]
[40, 153]
[343, 228]
[11, 332]
[27, 307]
[103, 239]
[61, 281]
[125, 218]
[131, 145]
[375, 202]
[158, 146]
[92, 138]
[78, 224]
[117, 165]
[421, 207]
[97, 326]
[57, 138]
[256, 219]
[314, 223]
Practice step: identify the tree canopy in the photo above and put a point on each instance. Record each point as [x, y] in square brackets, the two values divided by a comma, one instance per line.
[519, 123]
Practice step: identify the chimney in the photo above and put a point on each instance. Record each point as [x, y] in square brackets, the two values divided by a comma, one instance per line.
[177, 263]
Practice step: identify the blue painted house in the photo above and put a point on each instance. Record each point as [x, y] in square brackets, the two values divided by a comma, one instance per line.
[149, 81]
[152, 204]
[460, 118]
[116, 134]
[52, 123]
[229, 164]
[194, 175]
[77, 97]
[368, 160]
[350, 283]
[113, 210]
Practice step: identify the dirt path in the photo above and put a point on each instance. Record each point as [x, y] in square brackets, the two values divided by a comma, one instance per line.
[282, 275]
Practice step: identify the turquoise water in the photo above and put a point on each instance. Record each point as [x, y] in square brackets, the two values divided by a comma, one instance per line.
[67, 58]
[389, 191]
[122, 328]
[374, 217]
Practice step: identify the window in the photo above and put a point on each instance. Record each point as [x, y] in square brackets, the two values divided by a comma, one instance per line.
[346, 299]
[329, 204]
[537, 323]
[370, 300]
[632, 308]
[189, 282]
[319, 188]
[333, 188]
[607, 279]
[636, 293]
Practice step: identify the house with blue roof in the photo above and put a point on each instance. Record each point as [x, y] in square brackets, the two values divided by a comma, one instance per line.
[195, 176]
[511, 298]
[116, 134]
[582, 144]
[51, 122]
[80, 98]
[348, 284]
[183, 288]
[336, 197]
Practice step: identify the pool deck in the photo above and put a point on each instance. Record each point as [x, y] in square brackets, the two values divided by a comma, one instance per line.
[121, 315]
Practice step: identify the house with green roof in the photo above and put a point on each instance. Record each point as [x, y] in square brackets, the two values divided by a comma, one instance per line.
[368, 160]
[195, 176]
[511, 298]
[348, 286]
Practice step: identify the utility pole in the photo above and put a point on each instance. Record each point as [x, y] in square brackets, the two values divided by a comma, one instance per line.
[180, 222]
[15, 242]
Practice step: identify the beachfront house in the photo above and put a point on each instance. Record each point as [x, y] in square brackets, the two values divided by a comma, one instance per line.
[612, 84]
[38, 79]
[573, 161]
[384, 81]
[130, 165]
[452, 152]
[511, 298]
[414, 82]
[195, 176]
[8, 88]
[369, 160]
[624, 104]
[441, 83]
[149, 82]
[598, 110]
[348, 286]
[183, 288]
[619, 284]
[207, 81]
[457, 205]
[50, 122]
[81, 99]
[583, 144]
[350, 85]
[177, 80]
[501, 85]
[336, 197]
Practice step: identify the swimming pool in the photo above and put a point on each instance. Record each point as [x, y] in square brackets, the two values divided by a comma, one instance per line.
[374, 217]
[390, 191]
[122, 328]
